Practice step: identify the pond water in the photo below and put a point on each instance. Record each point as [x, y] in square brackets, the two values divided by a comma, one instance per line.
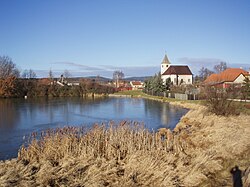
[20, 117]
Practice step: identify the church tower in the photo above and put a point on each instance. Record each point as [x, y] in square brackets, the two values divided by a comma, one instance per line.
[165, 64]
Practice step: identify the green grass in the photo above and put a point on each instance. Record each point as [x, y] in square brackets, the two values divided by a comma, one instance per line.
[243, 108]
[130, 92]
[139, 93]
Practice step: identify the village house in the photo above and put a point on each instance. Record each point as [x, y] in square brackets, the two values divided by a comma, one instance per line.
[137, 85]
[227, 78]
[178, 74]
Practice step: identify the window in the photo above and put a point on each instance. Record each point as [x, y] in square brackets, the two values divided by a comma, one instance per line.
[189, 80]
[181, 81]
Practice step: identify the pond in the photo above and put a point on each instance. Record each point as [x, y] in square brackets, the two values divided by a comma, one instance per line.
[20, 117]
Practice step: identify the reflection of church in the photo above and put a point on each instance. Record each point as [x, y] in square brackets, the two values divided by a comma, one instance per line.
[178, 74]
[164, 117]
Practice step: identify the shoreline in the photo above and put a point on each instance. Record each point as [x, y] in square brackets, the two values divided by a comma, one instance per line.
[179, 103]
[205, 150]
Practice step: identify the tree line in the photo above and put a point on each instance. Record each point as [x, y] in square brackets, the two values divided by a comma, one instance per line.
[14, 85]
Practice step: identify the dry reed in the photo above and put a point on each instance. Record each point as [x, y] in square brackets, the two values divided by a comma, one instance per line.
[200, 152]
[101, 141]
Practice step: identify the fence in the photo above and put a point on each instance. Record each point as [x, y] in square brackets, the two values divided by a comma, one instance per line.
[179, 96]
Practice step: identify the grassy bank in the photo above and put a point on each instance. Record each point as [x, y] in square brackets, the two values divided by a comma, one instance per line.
[139, 93]
[242, 107]
[190, 104]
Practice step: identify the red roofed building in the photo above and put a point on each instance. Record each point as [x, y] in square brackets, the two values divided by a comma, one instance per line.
[136, 85]
[178, 74]
[231, 76]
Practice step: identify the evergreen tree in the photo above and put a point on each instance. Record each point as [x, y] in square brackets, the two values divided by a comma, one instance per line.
[156, 85]
[245, 89]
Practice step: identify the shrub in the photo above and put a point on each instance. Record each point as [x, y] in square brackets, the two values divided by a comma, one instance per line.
[218, 102]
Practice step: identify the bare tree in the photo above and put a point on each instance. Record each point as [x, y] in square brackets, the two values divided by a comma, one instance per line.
[25, 74]
[32, 74]
[222, 66]
[28, 74]
[50, 74]
[8, 68]
[117, 76]
[204, 73]
[66, 73]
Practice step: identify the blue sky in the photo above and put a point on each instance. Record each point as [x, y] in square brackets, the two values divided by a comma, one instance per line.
[96, 37]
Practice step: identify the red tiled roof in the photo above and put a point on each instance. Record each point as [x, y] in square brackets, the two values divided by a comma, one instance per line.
[178, 70]
[214, 78]
[136, 83]
[229, 75]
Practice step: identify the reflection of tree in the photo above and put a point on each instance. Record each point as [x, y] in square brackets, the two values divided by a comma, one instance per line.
[167, 116]
[164, 117]
[9, 115]
[119, 105]
[157, 110]
[151, 107]
[136, 102]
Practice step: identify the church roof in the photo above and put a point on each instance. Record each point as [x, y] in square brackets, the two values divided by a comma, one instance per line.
[178, 70]
[165, 60]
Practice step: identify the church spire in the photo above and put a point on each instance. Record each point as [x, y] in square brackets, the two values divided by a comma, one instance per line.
[165, 64]
[165, 60]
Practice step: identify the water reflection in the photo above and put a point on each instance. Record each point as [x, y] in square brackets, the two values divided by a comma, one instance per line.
[163, 114]
[9, 116]
[119, 106]
[164, 117]
[19, 117]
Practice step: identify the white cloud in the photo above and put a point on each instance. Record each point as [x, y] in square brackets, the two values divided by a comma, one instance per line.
[102, 70]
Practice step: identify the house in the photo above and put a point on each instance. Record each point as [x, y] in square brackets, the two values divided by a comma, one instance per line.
[227, 78]
[137, 85]
[178, 74]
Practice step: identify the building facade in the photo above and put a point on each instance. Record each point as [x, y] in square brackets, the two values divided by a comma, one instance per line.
[178, 74]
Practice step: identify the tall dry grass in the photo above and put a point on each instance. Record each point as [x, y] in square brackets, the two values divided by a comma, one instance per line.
[101, 141]
[200, 152]
[124, 154]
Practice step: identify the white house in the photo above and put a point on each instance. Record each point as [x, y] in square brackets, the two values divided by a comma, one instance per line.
[178, 74]
[137, 85]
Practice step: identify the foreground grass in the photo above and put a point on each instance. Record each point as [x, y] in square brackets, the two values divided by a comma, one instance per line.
[200, 152]
[111, 141]
[126, 154]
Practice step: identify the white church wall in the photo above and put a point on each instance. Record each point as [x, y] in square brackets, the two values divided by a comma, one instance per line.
[185, 79]
[164, 67]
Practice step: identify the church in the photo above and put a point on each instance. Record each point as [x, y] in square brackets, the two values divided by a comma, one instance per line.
[178, 74]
